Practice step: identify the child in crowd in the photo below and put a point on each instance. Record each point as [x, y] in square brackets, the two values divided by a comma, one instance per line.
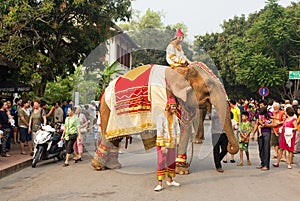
[11, 119]
[263, 119]
[244, 130]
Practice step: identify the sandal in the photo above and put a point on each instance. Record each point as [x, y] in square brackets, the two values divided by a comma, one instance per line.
[275, 165]
[264, 169]
[23, 153]
[289, 167]
[66, 164]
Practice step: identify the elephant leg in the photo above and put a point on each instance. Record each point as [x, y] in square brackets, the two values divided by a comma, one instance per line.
[101, 155]
[182, 167]
[112, 161]
[199, 137]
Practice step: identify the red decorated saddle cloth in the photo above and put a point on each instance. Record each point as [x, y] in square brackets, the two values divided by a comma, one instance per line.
[135, 99]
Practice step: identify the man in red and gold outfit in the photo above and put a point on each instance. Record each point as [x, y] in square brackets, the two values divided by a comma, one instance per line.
[167, 133]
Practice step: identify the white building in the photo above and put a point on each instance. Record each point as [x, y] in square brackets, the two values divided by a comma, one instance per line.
[119, 48]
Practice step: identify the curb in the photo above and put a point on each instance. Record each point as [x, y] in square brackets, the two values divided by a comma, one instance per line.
[15, 168]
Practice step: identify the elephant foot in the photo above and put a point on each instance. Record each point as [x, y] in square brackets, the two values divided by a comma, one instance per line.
[182, 170]
[115, 165]
[198, 141]
[97, 165]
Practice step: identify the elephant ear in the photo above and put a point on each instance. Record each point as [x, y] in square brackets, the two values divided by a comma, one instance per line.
[177, 84]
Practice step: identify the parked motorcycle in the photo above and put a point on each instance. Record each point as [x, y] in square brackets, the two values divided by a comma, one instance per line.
[49, 144]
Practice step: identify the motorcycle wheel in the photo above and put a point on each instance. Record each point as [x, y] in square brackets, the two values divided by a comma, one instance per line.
[36, 158]
[62, 155]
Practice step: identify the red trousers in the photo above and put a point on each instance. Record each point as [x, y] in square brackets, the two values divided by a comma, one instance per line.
[165, 163]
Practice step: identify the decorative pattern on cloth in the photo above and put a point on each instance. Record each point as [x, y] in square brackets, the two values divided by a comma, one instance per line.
[131, 91]
[185, 117]
[181, 160]
[135, 99]
[211, 73]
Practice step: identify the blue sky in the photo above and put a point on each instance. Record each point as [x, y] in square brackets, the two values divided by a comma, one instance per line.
[202, 16]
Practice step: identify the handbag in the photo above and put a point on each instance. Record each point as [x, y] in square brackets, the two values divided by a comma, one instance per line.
[83, 130]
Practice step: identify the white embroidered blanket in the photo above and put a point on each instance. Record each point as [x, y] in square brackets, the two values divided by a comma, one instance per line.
[126, 123]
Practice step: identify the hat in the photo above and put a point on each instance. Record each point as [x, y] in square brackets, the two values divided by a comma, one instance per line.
[179, 32]
[171, 101]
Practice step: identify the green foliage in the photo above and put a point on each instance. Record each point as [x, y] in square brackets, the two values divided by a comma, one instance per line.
[106, 76]
[149, 33]
[62, 89]
[151, 19]
[258, 51]
[49, 38]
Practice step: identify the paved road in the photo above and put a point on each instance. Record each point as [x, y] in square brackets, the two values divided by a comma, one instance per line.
[136, 180]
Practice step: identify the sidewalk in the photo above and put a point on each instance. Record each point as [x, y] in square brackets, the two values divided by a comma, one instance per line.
[17, 161]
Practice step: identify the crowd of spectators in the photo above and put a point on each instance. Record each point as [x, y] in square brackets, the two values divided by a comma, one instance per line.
[272, 124]
[20, 119]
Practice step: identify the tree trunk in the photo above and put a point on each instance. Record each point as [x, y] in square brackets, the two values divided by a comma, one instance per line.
[42, 87]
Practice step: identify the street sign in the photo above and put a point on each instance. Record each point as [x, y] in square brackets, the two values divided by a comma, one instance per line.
[263, 91]
[294, 75]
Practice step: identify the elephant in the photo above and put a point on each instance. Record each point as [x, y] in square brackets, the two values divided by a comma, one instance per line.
[199, 123]
[194, 87]
[209, 91]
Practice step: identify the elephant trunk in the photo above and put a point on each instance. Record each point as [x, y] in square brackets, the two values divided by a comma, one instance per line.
[222, 108]
[233, 146]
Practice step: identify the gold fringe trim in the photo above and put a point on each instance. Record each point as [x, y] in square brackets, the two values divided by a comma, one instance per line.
[160, 177]
[171, 56]
[149, 141]
[128, 131]
[129, 109]
[171, 174]
[180, 160]
[166, 144]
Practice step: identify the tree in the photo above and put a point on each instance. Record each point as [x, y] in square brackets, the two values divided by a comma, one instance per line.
[258, 51]
[49, 38]
[106, 75]
[267, 52]
[61, 89]
[217, 52]
[149, 33]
